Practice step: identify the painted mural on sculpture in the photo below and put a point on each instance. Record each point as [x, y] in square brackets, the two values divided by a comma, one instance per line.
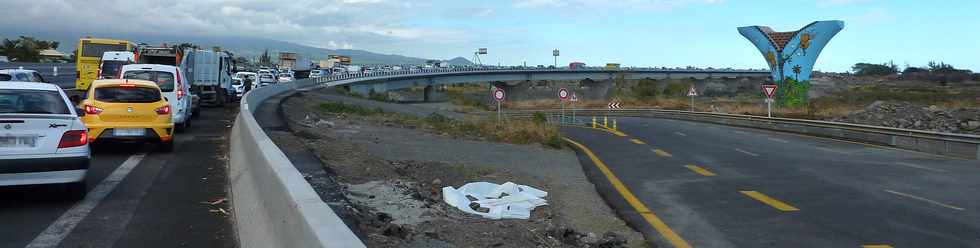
[791, 56]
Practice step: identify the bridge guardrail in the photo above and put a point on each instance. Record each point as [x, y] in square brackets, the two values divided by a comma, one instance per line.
[274, 206]
[955, 145]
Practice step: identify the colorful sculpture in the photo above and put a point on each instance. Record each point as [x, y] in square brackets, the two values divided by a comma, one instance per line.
[791, 55]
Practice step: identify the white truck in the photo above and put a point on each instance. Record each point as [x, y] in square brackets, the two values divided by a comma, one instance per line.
[209, 74]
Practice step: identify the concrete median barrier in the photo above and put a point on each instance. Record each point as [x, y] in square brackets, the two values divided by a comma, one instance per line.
[274, 206]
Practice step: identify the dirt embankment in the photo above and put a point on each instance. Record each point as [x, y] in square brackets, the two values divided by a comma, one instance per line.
[919, 117]
[393, 174]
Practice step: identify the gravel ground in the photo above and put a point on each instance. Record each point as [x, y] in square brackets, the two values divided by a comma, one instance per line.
[393, 175]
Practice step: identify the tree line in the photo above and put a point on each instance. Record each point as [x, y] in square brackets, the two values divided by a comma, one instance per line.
[25, 48]
[935, 72]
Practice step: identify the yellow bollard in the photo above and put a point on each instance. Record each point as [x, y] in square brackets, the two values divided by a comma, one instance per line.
[614, 125]
[593, 122]
[605, 121]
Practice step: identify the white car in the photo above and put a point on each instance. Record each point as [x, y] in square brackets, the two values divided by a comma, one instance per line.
[42, 140]
[315, 73]
[285, 78]
[21, 75]
[173, 85]
[266, 79]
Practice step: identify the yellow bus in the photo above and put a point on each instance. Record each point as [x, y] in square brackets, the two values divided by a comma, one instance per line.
[89, 56]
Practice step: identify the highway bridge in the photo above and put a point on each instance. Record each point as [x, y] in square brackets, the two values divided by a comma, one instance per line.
[683, 180]
[385, 81]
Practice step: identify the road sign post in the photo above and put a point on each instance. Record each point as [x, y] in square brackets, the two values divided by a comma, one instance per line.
[498, 94]
[573, 99]
[769, 90]
[562, 96]
[692, 93]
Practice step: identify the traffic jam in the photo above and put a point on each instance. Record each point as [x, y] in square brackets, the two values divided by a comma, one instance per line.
[124, 93]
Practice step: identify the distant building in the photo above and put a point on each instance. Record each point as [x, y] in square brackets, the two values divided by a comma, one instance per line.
[576, 65]
[51, 55]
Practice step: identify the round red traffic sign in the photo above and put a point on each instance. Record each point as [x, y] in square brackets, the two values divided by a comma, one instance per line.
[563, 94]
[498, 94]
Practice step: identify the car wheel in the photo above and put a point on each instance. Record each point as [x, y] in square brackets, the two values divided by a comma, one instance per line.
[167, 147]
[179, 127]
[77, 190]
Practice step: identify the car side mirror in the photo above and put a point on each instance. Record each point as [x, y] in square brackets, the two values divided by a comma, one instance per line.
[165, 99]
[80, 112]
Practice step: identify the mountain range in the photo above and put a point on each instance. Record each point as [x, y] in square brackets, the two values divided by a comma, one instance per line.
[248, 47]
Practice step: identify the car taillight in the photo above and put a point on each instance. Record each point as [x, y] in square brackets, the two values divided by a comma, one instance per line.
[163, 110]
[78, 75]
[92, 110]
[180, 87]
[73, 138]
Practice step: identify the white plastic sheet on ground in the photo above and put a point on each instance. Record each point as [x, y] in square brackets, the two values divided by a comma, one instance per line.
[505, 201]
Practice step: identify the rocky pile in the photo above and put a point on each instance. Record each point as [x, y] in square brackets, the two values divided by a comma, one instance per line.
[911, 116]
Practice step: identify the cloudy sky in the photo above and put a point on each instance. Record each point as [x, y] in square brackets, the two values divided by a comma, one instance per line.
[632, 32]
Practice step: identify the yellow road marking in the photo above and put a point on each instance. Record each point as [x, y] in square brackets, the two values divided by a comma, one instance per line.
[662, 153]
[876, 246]
[699, 170]
[925, 200]
[638, 142]
[770, 201]
[648, 215]
[600, 128]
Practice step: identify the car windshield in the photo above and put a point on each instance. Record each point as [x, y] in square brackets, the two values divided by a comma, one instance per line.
[236, 82]
[32, 102]
[127, 94]
[165, 80]
[110, 68]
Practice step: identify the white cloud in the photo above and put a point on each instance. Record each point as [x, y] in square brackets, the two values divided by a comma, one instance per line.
[656, 5]
[839, 3]
[327, 23]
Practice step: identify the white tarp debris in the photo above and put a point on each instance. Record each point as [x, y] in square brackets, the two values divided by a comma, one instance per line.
[504, 201]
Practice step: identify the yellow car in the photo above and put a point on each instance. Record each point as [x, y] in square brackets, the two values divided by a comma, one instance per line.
[127, 110]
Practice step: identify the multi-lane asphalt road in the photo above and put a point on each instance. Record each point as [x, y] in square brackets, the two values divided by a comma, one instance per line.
[138, 197]
[707, 185]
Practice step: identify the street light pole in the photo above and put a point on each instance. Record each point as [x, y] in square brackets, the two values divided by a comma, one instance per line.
[555, 53]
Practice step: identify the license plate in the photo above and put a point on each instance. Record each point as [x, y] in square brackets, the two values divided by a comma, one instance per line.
[18, 141]
[129, 131]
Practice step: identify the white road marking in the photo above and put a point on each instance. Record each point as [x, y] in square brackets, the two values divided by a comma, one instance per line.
[680, 133]
[746, 152]
[924, 199]
[778, 140]
[920, 167]
[60, 228]
[741, 132]
[832, 150]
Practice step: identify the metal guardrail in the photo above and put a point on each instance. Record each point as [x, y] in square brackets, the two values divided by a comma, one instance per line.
[949, 144]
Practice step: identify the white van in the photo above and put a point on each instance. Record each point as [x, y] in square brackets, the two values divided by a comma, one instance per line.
[173, 85]
[112, 63]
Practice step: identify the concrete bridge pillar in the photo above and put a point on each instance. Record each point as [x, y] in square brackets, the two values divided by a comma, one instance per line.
[428, 93]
